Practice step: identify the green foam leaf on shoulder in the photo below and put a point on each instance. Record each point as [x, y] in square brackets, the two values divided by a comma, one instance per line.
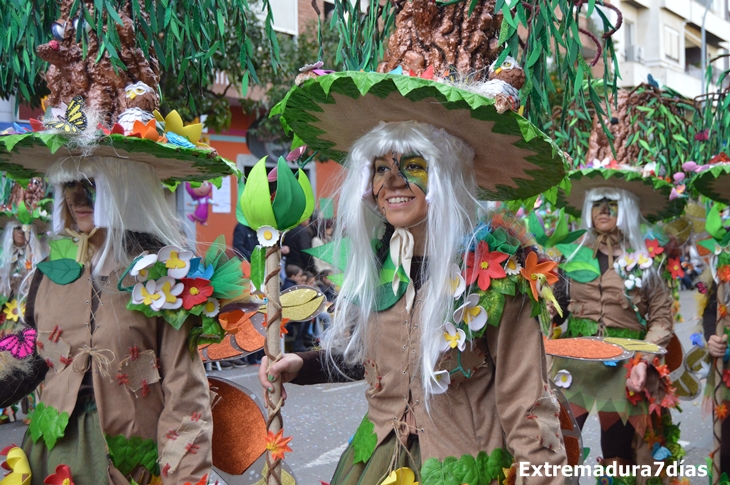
[61, 271]
[493, 302]
[583, 267]
[364, 441]
[63, 249]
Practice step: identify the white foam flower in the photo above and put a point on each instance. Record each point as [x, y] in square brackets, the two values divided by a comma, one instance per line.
[145, 293]
[441, 381]
[512, 266]
[473, 315]
[170, 289]
[212, 307]
[563, 379]
[458, 284]
[139, 270]
[177, 261]
[453, 338]
[644, 260]
[268, 236]
[632, 282]
[631, 260]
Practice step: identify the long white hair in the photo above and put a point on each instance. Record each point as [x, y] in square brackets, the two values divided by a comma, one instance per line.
[452, 212]
[6, 266]
[129, 198]
[629, 222]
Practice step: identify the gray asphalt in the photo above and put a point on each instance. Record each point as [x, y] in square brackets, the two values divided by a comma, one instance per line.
[323, 418]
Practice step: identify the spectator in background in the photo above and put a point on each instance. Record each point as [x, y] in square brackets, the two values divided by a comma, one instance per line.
[244, 240]
[294, 276]
[323, 229]
[299, 239]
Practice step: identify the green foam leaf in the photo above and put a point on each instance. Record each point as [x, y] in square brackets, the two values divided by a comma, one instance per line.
[63, 249]
[256, 199]
[61, 271]
[48, 423]
[364, 441]
[127, 454]
[289, 201]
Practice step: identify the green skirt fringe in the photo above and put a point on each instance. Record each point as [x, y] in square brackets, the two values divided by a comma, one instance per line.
[378, 466]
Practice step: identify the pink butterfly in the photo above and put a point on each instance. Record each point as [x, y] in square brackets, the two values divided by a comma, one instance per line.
[20, 345]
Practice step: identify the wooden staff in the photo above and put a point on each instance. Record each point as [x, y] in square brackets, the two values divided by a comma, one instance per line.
[274, 402]
[718, 391]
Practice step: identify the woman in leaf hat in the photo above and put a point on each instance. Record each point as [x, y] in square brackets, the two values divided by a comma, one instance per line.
[613, 287]
[428, 315]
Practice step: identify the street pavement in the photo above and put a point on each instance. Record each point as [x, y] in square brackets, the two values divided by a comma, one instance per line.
[322, 419]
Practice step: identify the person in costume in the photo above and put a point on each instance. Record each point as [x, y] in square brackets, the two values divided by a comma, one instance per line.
[117, 383]
[427, 314]
[620, 295]
[22, 251]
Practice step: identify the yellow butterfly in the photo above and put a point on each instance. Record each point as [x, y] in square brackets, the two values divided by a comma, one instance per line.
[75, 119]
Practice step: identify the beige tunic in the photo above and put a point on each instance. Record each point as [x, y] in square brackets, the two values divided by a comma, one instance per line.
[495, 408]
[171, 406]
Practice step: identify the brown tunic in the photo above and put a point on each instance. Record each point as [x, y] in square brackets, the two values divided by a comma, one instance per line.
[172, 406]
[492, 409]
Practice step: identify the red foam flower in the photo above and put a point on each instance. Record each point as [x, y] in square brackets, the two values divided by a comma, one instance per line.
[675, 268]
[652, 245]
[277, 444]
[721, 411]
[482, 266]
[195, 291]
[634, 397]
[61, 477]
[721, 157]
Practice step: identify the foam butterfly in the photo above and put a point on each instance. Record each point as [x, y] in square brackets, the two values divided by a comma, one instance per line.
[75, 119]
[20, 345]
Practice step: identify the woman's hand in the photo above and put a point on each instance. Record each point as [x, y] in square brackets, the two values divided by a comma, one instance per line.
[637, 378]
[287, 368]
[717, 345]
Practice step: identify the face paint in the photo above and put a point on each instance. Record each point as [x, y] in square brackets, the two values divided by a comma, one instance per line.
[605, 206]
[87, 187]
[412, 168]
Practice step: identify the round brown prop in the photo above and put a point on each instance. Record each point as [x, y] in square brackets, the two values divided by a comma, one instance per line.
[239, 427]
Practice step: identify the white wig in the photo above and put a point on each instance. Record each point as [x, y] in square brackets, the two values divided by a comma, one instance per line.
[452, 214]
[629, 221]
[129, 197]
[33, 245]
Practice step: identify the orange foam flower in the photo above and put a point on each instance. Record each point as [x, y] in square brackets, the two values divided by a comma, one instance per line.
[277, 444]
[721, 411]
[202, 481]
[145, 130]
[723, 272]
[233, 320]
[533, 269]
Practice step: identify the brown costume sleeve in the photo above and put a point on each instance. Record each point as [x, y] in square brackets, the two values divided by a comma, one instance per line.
[316, 370]
[660, 324]
[185, 428]
[17, 385]
[527, 409]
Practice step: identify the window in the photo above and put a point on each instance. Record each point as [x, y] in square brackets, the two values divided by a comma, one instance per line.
[671, 43]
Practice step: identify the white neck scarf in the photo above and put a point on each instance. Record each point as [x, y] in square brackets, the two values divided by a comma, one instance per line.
[401, 252]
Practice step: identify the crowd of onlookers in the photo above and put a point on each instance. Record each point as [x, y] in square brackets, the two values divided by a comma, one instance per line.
[298, 268]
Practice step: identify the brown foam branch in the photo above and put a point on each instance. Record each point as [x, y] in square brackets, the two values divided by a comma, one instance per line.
[274, 399]
[599, 47]
[316, 8]
[619, 20]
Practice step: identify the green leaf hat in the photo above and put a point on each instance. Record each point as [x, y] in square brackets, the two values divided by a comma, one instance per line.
[30, 154]
[513, 159]
[653, 193]
[714, 182]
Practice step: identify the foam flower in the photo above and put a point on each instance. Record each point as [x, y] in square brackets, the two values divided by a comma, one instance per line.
[677, 191]
[512, 266]
[723, 273]
[458, 284]
[670, 400]
[13, 310]
[212, 307]
[145, 130]
[202, 481]
[267, 236]
[277, 444]
[634, 397]
[471, 314]
[441, 381]
[174, 124]
[721, 411]
[139, 270]
[198, 270]
[61, 477]
[539, 274]
[453, 338]
[17, 465]
[726, 377]
[675, 268]
[563, 379]
[483, 265]
[653, 247]
[195, 291]
[630, 260]
[177, 261]
[696, 339]
[169, 289]
[400, 476]
[643, 260]
[632, 282]
[145, 293]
